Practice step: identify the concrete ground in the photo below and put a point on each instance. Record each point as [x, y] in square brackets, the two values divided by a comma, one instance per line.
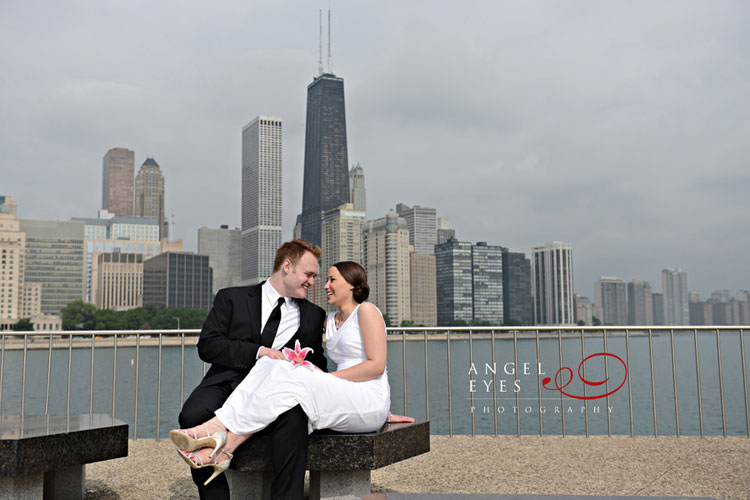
[617, 466]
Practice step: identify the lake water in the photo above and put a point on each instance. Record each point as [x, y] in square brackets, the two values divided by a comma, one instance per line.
[469, 407]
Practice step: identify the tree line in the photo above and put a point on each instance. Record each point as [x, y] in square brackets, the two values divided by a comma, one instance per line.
[79, 315]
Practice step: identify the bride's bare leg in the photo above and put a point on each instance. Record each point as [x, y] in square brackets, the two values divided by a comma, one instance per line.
[235, 440]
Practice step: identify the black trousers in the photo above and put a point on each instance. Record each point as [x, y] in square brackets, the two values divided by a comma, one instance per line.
[288, 436]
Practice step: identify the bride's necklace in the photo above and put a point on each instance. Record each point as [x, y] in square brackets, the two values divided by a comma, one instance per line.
[339, 320]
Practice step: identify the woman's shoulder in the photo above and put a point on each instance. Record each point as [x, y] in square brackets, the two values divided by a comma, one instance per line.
[369, 310]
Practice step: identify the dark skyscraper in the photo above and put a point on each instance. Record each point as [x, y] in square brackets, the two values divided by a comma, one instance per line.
[326, 181]
[517, 303]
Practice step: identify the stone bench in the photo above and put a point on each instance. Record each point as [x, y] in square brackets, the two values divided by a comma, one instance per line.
[339, 464]
[44, 456]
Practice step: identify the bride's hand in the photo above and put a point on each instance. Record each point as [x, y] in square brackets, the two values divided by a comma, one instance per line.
[399, 419]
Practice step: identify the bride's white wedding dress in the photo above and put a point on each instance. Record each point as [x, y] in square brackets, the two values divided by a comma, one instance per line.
[275, 386]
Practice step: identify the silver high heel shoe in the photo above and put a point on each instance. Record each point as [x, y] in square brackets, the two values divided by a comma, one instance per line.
[219, 467]
[184, 441]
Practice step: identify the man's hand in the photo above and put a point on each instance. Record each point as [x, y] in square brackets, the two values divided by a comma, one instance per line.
[271, 353]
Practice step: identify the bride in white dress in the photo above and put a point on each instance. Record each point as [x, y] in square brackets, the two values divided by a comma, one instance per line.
[354, 398]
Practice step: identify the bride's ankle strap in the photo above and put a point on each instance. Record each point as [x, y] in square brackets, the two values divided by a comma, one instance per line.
[217, 423]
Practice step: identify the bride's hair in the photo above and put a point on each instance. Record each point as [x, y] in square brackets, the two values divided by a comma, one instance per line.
[355, 275]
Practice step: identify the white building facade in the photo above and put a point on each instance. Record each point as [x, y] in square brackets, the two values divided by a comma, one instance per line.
[552, 283]
[261, 197]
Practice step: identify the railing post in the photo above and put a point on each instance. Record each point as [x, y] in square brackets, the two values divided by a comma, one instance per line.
[91, 381]
[2, 369]
[23, 375]
[403, 353]
[721, 385]
[562, 396]
[744, 383]
[674, 387]
[450, 387]
[70, 362]
[653, 384]
[471, 377]
[698, 381]
[135, 402]
[114, 376]
[49, 376]
[494, 382]
[539, 382]
[606, 383]
[515, 371]
[585, 401]
[158, 392]
[630, 387]
[182, 369]
[426, 378]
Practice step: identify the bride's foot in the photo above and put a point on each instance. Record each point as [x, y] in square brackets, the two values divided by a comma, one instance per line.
[203, 457]
[211, 434]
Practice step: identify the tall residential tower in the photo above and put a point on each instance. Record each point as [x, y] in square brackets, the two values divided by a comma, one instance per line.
[552, 283]
[676, 301]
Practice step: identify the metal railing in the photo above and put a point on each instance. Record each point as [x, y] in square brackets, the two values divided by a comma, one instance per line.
[99, 340]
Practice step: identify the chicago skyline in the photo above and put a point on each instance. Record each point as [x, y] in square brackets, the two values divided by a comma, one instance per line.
[609, 153]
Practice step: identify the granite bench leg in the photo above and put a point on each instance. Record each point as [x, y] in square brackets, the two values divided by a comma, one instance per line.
[339, 485]
[61, 484]
[22, 487]
[249, 485]
[68, 483]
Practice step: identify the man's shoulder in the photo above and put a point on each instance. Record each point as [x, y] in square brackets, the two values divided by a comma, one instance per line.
[235, 291]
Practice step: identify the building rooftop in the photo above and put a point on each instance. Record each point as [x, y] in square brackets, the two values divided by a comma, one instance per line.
[150, 162]
[91, 221]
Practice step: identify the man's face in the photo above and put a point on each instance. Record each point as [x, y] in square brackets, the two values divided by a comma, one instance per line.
[300, 276]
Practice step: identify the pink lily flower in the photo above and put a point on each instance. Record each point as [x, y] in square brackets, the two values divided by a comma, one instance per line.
[297, 356]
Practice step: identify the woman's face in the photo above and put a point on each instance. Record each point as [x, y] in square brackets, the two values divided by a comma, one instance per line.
[336, 287]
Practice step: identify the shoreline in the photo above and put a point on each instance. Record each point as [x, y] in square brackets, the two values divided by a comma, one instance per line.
[173, 340]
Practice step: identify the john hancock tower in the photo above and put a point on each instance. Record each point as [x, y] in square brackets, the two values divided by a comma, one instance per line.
[326, 181]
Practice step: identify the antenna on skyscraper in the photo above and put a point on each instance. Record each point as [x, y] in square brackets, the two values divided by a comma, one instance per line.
[320, 41]
[329, 37]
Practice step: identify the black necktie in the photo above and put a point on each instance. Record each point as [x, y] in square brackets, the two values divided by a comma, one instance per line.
[272, 325]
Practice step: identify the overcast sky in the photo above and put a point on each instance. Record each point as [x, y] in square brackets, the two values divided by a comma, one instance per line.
[620, 127]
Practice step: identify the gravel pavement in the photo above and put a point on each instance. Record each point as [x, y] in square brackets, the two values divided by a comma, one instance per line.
[642, 466]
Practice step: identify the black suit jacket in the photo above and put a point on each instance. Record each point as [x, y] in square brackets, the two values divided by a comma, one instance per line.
[230, 337]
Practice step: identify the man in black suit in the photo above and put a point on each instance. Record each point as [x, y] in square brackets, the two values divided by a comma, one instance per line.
[245, 324]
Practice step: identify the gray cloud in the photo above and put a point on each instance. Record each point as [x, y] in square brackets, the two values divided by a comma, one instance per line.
[618, 126]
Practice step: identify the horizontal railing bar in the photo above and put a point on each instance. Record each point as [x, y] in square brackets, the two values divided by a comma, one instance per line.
[436, 329]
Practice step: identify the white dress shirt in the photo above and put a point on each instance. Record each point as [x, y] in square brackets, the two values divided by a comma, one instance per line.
[290, 316]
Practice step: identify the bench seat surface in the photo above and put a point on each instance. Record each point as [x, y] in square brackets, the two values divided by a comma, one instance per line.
[330, 451]
[39, 443]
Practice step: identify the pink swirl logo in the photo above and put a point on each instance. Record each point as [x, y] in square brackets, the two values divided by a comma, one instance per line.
[559, 388]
